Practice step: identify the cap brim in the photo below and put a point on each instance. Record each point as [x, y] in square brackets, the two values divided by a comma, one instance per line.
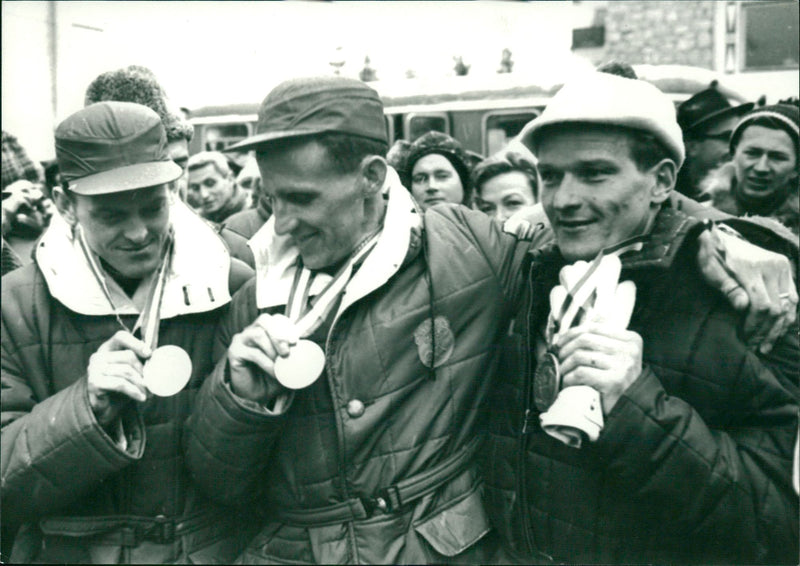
[259, 139]
[724, 113]
[128, 178]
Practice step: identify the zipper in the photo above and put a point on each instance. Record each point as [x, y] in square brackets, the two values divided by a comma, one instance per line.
[353, 547]
[524, 520]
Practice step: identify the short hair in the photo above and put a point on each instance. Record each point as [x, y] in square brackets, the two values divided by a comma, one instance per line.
[215, 158]
[346, 151]
[773, 124]
[493, 166]
[645, 149]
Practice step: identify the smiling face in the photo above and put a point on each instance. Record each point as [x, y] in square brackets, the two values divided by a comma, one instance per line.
[324, 212]
[435, 180]
[765, 162]
[127, 230]
[209, 189]
[504, 194]
[592, 191]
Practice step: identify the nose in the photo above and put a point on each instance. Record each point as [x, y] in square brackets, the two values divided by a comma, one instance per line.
[135, 230]
[500, 215]
[285, 221]
[566, 194]
[762, 164]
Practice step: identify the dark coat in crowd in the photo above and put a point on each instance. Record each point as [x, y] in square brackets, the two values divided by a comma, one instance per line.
[694, 463]
[247, 222]
[379, 417]
[80, 495]
[720, 185]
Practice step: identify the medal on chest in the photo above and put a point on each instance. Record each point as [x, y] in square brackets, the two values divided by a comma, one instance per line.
[169, 368]
[306, 360]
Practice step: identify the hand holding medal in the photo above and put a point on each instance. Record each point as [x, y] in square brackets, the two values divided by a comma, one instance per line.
[275, 344]
[588, 293]
[166, 369]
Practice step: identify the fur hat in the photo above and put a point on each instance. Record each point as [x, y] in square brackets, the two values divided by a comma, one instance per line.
[448, 147]
[139, 85]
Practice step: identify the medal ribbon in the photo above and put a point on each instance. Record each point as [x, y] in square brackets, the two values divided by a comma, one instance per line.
[581, 296]
[149, 318]
[308, 318]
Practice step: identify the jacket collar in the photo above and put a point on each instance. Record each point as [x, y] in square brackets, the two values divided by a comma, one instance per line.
[276, 257]
[197, 281]
[670, 231]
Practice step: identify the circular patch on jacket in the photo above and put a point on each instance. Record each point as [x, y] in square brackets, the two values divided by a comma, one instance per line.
[443, 341]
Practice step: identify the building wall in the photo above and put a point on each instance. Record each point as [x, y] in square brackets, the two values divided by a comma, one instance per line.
[28, 100]
[683, 32]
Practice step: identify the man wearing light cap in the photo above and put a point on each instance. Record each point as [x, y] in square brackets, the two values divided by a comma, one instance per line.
[104, 340]
[683, 452]
[347, 402]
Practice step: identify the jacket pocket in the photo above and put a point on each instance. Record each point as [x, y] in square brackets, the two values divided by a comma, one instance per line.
[456, 528]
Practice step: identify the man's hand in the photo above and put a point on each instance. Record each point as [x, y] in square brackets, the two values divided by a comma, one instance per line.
[601, 356]
[115, 375]
[20, 193]
[252, 354]
[753, 279]
[522, 224]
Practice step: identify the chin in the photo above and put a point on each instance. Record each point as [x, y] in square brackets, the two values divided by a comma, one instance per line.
[577, 251]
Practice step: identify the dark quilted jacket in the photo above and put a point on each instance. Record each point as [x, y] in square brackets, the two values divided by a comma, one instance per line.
[77, 493]
[320, 452]
[694, 464]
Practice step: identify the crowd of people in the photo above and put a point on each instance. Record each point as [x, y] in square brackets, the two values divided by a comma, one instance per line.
[317, 348]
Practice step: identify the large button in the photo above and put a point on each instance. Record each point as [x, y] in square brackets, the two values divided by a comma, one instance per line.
[355, 408]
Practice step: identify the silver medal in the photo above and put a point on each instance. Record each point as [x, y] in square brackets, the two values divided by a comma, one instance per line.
[301, 367]
[167, 371]
[546, 382]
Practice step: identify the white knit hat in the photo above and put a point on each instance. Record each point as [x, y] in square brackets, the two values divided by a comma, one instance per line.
[601, 98]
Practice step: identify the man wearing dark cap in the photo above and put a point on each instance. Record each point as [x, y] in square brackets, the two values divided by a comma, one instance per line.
[707, 120]
[104, 342]
[346, 404]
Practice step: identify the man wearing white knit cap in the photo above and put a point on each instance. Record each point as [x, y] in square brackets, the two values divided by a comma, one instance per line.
[683, 450]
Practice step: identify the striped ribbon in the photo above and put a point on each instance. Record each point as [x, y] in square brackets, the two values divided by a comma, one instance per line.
[149, 318]
[306, 316]
[581, 297]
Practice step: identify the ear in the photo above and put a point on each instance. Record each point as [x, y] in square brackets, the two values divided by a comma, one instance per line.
[65, 205]
[372, 173]
[665, 173]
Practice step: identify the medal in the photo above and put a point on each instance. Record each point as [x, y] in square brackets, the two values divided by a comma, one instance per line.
[306, 359]
[167, 371]
[301, 367]
[546, 382]
[169, 368]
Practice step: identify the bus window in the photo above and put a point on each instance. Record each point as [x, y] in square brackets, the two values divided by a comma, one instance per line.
[219, 136]
[500, 127]
[420, 124]
[389, 128]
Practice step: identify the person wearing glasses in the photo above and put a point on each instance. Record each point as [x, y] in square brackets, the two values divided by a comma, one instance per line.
[706, 120]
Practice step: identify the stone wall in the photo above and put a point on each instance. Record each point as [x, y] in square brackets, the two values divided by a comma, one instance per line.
[677, 32]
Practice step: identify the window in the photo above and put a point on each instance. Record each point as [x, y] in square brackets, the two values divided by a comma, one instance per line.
[584, 38]
[771, 39]
[420, 124]
[219, 136]
[499, 128]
